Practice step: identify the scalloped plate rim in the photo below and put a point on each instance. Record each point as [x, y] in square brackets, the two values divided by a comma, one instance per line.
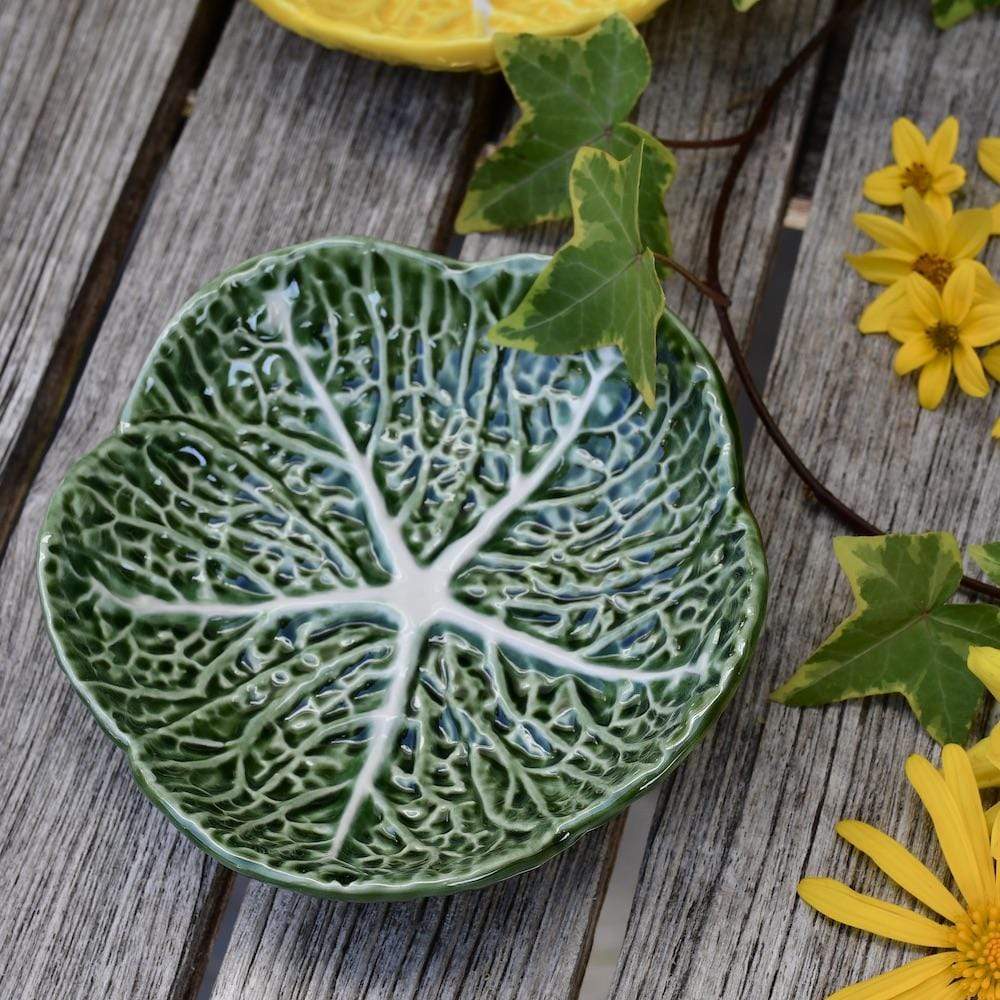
[562, 839]
[472, 52]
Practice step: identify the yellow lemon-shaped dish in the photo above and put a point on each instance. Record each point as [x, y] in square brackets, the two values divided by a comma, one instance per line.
[440, 34]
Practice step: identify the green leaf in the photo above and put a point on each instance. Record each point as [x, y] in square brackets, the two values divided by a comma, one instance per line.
[948, 13]
[573, 92]
[601, 288]
[744, 5]
[378, 609]
[987, 557]
[904, 638]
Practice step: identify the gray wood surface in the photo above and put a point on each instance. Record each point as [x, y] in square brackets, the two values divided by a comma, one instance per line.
[100, 895]
[530, 937]
[753, 810]
[79, 82]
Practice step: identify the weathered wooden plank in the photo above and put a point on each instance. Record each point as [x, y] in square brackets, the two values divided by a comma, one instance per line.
[753, 810]
[80, 83]
[101, 896]
[530, 937]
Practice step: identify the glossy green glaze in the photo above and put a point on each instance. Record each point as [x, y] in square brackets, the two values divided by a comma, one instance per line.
[377, 609]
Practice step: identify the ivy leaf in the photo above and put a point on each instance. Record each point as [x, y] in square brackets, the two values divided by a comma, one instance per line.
[573, 92]
[904, 638]
[987, 557]
[601, 288]
[948, 13]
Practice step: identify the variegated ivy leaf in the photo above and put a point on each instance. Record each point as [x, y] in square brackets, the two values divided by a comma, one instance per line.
[573, 92]
[904, 637]
[987, 557]
[601, 288]
[378, 609]
[948, 13]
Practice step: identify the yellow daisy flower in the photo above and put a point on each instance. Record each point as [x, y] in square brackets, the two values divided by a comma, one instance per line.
[939, 332]
[924, 166]
[968, 962]
[989, 160]
[926, 243]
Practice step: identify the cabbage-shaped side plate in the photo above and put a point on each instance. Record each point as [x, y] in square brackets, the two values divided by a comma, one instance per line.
[377, 609]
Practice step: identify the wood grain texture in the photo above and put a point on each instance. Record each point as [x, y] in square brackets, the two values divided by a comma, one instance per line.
[753, 810]
[101, 896]
[530, 937]
[80, 81]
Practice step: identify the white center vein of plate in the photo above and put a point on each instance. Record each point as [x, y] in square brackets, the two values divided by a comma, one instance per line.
[417, 597]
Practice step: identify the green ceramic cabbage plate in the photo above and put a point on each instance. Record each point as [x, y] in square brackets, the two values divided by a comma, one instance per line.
[377, 609]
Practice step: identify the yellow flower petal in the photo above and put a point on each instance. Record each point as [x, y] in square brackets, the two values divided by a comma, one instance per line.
[994, 836]
[885, 187]
[967, 233]
[927, 225]
[839, 902]
[996, 431]
[902, 867]
[984, 662]
[905, 325]
[940, 987]
[878, 313]
[984, 760]
[950, 829]
[949, 179]
[969, 371]
[982, 326]
[941, 203]
[993, 747]
[890, 985]
[995, 214]
[989, 157]
[908, 143]
[959, 291]
[882, 267]
[889, 233]
[933, 384]
[987, 290]
[958, 776]
[925, 300]
[942, 145]
[991, 362]
[914, 354]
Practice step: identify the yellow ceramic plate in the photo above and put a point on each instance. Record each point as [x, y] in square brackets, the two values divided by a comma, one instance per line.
[440, 34]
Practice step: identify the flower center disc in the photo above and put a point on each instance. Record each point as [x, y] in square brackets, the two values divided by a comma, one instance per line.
[917, 176]
[937, 270]
[978, 942]
[944, 337]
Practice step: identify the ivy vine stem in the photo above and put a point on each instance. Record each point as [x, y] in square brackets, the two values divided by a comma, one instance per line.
[717, 296]
[712, 288]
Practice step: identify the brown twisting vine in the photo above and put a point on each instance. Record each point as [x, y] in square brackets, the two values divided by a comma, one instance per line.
[711, 286]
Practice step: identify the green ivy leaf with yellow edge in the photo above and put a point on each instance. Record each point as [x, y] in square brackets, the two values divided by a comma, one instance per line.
[904, 637]
[601, 288]
[987, 557]
[948, 13]
[573, 92]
